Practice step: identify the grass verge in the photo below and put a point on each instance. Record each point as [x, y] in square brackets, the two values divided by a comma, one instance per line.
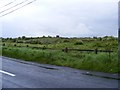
[87, 61]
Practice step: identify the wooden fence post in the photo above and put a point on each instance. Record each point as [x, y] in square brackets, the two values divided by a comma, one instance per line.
[44, 48]
[96, 51]
[27, 45]
[109, 54]
[66, 50]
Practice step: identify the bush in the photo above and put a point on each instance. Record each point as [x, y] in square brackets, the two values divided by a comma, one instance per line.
[79, 42]
[3, 44]
[15, 45]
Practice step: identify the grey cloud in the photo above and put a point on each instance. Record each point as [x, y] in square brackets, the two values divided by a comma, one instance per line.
[66, 18]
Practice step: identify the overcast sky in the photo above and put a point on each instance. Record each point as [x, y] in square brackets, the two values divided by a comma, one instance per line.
[69, 18]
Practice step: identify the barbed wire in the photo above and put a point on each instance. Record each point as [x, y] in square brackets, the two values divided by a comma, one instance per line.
[17, 8]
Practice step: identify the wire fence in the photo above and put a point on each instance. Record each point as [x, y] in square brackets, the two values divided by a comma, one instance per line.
[67, 50]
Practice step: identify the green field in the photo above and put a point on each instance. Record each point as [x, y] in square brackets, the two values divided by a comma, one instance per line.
[50, 50]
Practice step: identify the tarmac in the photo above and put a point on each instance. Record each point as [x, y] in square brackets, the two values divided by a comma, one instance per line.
[85, 72]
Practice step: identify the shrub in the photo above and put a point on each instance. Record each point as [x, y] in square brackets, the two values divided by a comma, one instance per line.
[79, 42]
[3, 44]
[15, 45]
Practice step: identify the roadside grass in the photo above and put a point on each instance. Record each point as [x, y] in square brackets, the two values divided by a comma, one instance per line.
[80, 60]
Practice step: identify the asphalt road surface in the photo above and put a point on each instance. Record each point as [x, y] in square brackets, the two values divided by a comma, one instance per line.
[17, 74]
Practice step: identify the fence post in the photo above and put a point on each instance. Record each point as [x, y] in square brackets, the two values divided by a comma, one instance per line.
[96, 51]
[66, 49]
[44, 48]
[109, 54]
[27, 45]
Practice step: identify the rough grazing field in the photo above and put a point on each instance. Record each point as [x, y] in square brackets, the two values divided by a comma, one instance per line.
[55, 50]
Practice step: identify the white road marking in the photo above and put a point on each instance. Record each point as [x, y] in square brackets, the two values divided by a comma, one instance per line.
[10, 74]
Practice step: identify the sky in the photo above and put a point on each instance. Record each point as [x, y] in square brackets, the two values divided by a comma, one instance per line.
[66, 18]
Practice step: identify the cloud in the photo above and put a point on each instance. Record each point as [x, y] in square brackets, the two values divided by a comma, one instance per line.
[63, 17]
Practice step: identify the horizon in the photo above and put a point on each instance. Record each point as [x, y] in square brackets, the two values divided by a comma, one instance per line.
[48, 36]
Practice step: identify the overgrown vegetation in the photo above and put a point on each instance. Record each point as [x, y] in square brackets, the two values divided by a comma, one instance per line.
[34, 49]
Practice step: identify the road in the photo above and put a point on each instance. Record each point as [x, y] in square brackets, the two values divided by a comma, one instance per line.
[17, 74]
